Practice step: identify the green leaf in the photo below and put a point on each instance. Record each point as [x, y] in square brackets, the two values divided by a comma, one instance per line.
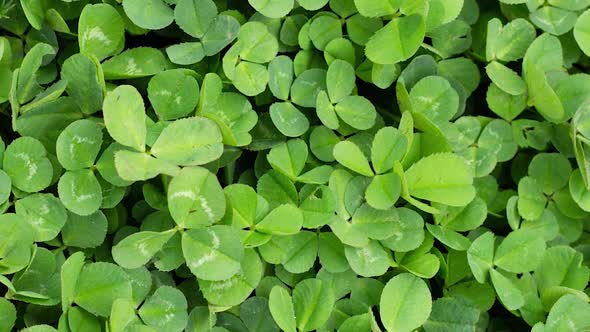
[505, 105]
[356, 111]
[425, 180]
[449, 238]
[512, 41]
[383, 191]
[221, 32]
[531, 200]
[272, 9]
[569, 312]
[185, 53]
[510, 296]
[8, 312]
[213, 253]
[370, 261]
[405, 303]
[45, 213]
[124, 116]
[307, 86]
[321, 143]
[235, 117]
[5, 187]
[277, 189]
[572, 92]
[462, 70]
[482, 160]
[27, 165]
[289, 158]
[84, 82]
[15, 243]
[101, 31]
[397, 41]
[408, 231]
[250, 78]
[80, 192]
[122, 315]
[255, 314]
[505, 78]
[195, 16]
[27, 85]
[543, 96]
[562, 266]
[389, 146]
[326, 111]
[39, 328]
[236, 289]
[78, 144]
[480, 256]
[551, 170]
[570, 4]
[99, 284]
[545, 52]
[179, 102]
[582, 32]
[449, 11]
[242, 203]
[136, 166]
[450, 313]
[150, 14]
[195, 198]
[85, 231]
[521, 251]
[257, 44]
[481, 296]
[554, 20]
[578, 190]
[463, 219]
[324, 29]
[135, 63]
[434, 97]
[70, 271]
[283, 220]
[80, 320]
[331, 253]
[376, 8]
[340, 80]
[137, 249]
[166, 309]
[34, 12]
[498, 138]
[373, 223]
[313, 300]
[201, 142]
[281, 308]
[312, 4]
[360, 28]
[298, 251]
[290, 121]
[280, 72]
[318, 175]
[350, 155]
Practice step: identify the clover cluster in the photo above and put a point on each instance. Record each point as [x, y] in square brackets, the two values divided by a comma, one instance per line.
[294, 165]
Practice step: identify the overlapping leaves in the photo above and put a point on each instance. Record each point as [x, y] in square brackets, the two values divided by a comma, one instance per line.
[296, 165]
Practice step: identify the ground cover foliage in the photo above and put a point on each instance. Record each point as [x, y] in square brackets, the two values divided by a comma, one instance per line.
[294, 165]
